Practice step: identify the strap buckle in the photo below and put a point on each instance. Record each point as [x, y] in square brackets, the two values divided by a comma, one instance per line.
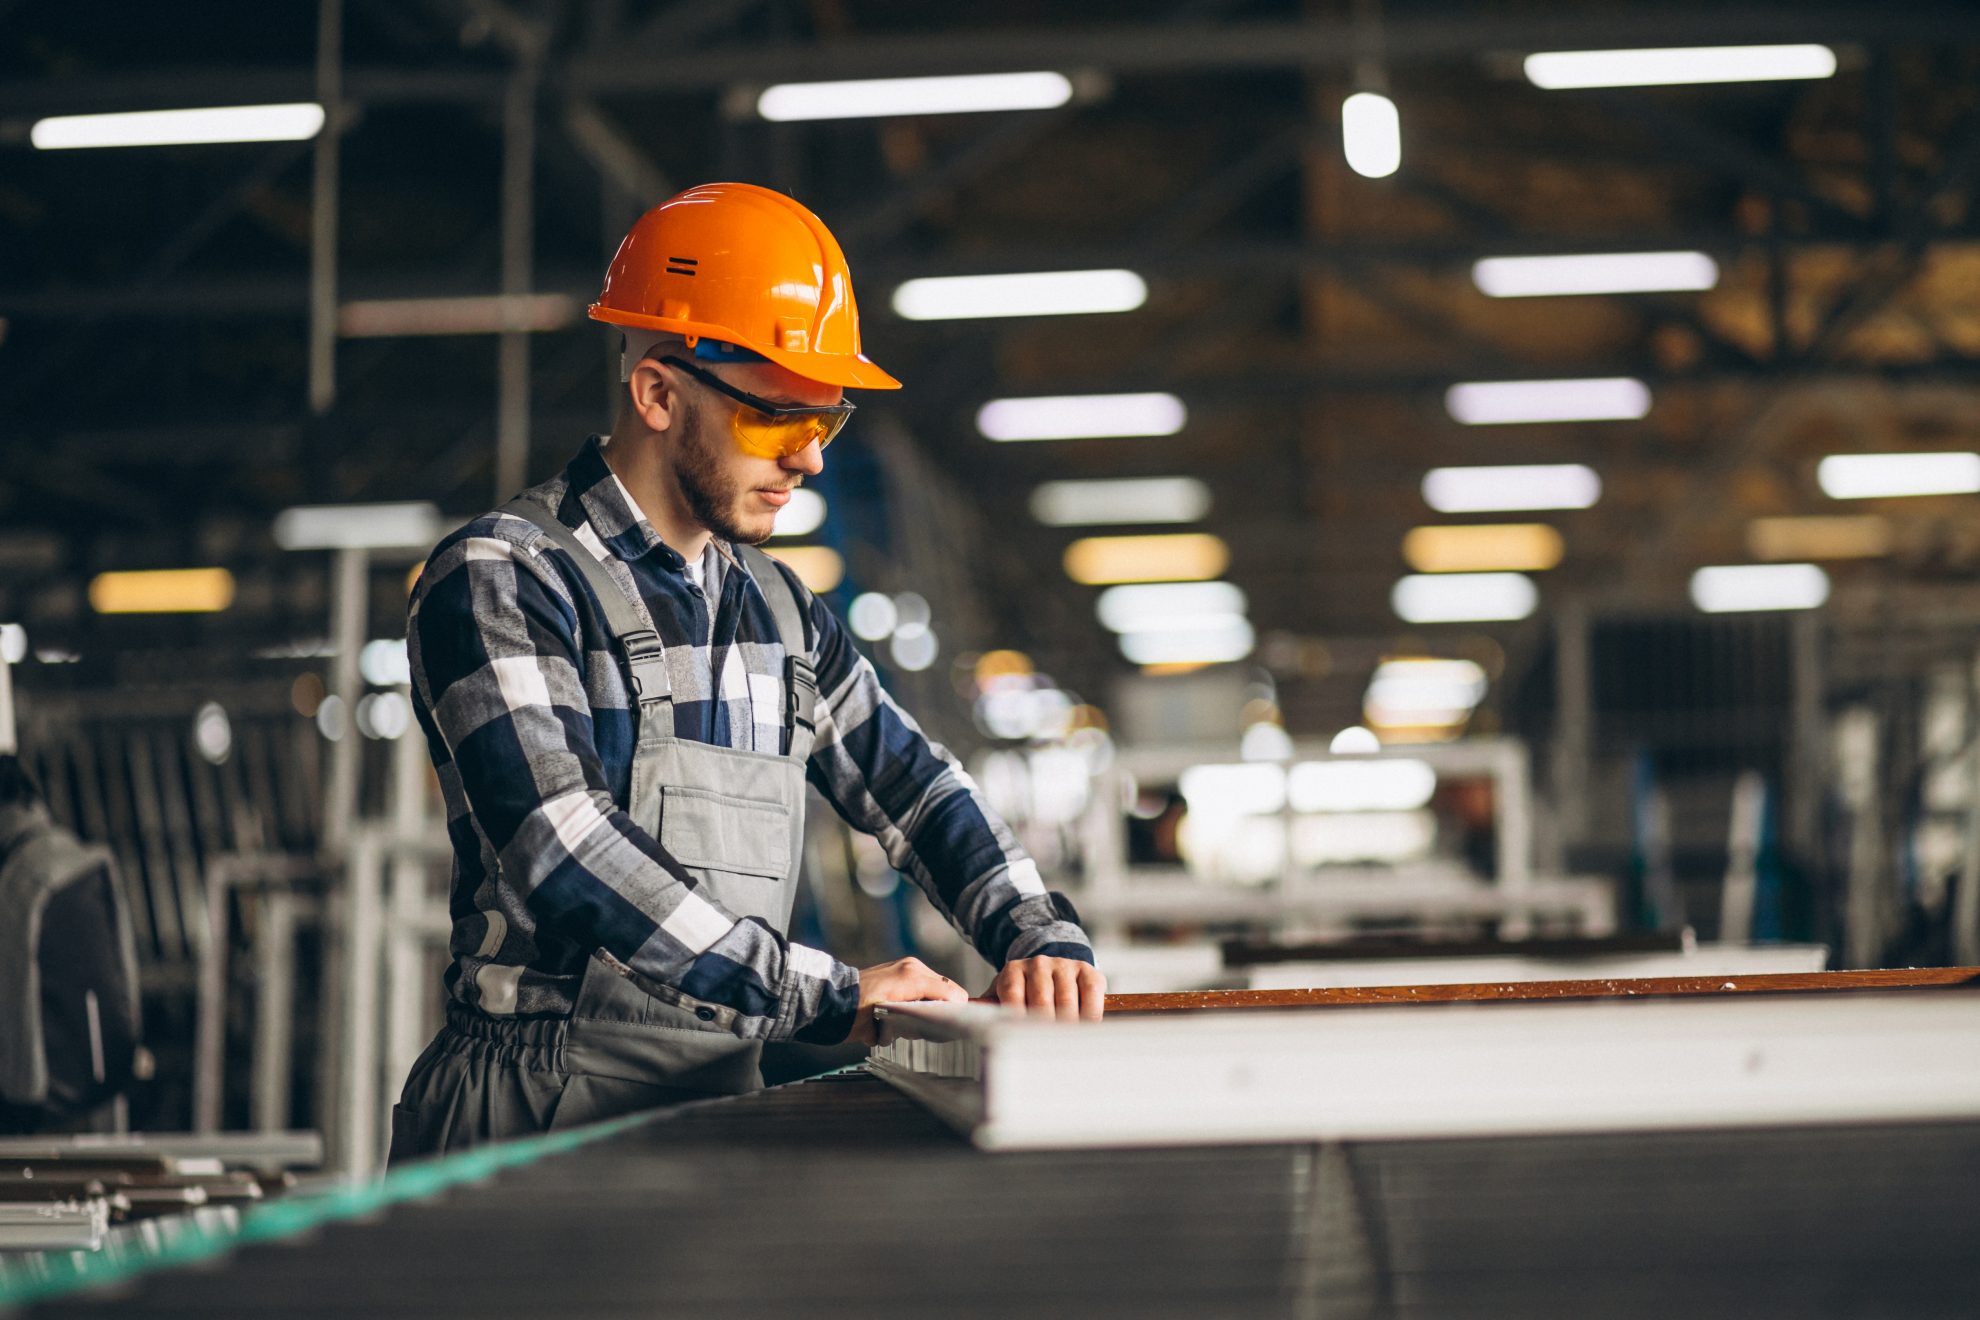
[800, 692]
[646, 656]
[641, 643]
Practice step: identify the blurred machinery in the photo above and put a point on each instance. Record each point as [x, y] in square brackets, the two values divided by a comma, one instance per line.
[1318, 842]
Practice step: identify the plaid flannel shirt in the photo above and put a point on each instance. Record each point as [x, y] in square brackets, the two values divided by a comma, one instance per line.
[529, 722]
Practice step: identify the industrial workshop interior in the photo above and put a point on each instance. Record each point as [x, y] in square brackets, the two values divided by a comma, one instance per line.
[1124, 658]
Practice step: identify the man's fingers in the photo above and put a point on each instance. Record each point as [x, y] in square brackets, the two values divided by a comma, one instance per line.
[1092, 992]
[1065, 981]
[1064, 989]
[1038, 989]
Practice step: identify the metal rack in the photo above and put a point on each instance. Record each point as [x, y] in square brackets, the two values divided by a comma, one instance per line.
[1113, 894]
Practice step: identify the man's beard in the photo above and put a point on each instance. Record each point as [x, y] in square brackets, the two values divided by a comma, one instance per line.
[712, 499]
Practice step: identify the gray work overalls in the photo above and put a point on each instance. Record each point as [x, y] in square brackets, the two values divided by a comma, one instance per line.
[734, 819]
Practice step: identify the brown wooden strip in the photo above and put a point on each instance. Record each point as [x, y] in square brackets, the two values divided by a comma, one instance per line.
[1614, 988]
[1253, 953]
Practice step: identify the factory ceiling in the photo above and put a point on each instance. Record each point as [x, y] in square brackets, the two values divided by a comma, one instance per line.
[155, 371]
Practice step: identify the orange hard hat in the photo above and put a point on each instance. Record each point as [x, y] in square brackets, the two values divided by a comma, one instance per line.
[743, 265]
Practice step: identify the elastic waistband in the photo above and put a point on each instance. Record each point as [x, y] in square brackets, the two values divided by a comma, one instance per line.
[530, 1031]
[522, 1042]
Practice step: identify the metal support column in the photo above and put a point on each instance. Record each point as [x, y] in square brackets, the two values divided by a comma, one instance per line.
[1103, 846]
[350, 599]
[9, 741]
[1574, 729]
[323, 210]
[410, 1000]
[518, 241]
[274, 1013]
[1966, 898]
[1513, 816]
[1858, 777]
[1804, 783]
[354, 1144]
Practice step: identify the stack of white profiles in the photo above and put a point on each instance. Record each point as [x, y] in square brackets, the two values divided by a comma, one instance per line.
[1216, 1076]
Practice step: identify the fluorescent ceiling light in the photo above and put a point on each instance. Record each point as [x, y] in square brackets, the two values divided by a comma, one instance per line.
[1045, 293]
[385, 662]
[1252, 789]
[1363, 836]
[1100, 561]
[412, 526]
[1742, 587]
[1559, 69]
[875, 97]
[911, 613]
[1510, 488]
[1423, 691]
[801, 516]
[914, 651]
[1013, 710]
[162, 591]
[1265, 742]
[388, 318]
[1155, 606]
[1371, 135]
[169, 128]
[1124, 500]
[819, 567]
[1399, 785]
[1081, 416]
[1837, 536]
[872, 616]
[1872, 476]
[1499, 402]
[1230, 639]
[1463, 597]
[1481, 547]
[1355, 741]
[1619, 272]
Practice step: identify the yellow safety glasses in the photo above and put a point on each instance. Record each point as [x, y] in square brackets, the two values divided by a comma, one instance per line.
[766, 430]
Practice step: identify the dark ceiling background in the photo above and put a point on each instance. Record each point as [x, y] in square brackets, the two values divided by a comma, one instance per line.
[154, 397]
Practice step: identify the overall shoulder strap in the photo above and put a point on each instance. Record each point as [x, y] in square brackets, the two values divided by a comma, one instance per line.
[646, 661]
[800, 679]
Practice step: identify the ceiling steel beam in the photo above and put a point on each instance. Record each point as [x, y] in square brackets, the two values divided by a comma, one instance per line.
[1161, 256]
[1143, 49]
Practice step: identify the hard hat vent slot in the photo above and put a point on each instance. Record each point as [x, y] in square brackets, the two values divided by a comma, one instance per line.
[675, 264]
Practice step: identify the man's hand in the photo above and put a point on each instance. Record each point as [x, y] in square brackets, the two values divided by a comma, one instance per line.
[905, 980]
[1061, 988]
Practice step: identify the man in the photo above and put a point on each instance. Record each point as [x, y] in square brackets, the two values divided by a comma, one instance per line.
[624, 699]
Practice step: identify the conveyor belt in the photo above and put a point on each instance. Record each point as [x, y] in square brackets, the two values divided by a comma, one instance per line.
[839, 1198]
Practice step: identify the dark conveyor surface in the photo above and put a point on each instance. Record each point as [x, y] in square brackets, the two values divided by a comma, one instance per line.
[837, 1197]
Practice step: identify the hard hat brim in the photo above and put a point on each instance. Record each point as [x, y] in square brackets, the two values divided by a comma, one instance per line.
[846, 370]
[843, 369]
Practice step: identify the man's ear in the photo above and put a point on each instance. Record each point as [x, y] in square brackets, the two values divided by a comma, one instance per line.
[651, 396]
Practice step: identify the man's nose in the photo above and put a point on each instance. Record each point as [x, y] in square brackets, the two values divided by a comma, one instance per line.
[809, 460]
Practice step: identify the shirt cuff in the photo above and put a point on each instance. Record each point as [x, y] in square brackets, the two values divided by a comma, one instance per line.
[838, 1005]
[1063, 949]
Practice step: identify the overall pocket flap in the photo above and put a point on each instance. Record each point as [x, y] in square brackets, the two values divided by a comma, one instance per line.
[717, 832]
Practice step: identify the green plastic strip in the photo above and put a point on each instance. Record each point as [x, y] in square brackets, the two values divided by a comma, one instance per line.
[71, 1271]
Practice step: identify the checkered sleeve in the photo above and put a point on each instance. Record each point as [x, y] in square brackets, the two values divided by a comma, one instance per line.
[878, 769]
[497, 660]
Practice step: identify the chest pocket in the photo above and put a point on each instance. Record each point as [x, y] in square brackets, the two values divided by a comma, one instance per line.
[711, 831]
